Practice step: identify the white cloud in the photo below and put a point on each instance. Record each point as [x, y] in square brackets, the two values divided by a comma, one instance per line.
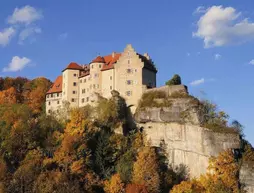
[197, 82]
[63, 36]
[200, 9]
[251, 62]
[27, 32]
[26, 15]
[217, 56]
[220, 26]
[17, 64]
[6, 35]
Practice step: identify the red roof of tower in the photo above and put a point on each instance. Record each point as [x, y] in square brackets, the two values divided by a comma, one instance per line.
[98, 59]
[73, 66]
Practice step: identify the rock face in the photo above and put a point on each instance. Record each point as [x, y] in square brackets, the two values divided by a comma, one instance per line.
[186, 142]
[189, 145]
[247, 177]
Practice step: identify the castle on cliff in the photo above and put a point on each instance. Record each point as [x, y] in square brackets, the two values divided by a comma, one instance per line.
[129, 73]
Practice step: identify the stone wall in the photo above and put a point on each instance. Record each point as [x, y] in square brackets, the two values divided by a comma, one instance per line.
[247, 177]
[189, 145]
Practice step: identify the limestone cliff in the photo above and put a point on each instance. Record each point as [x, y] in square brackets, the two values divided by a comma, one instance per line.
[176, 121]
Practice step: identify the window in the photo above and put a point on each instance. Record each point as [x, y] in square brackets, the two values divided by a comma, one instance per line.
[129, 82]
[75, 75]
[52, 95]
[129, 70]
[57, 94]
[84, 80]
[58, 102]
[128, 93]
[94, 86]
[110, 77]
[99, 65]
[110, 87]
[49, 111]
[49, 103]
[83, 91]
[87, 99]
[74, 84]
[83, 100]
[72, 100]
[128, 61]
[81, 81]
[74, 92]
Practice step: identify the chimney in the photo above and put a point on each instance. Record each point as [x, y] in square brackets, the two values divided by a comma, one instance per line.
[113, 54]
[147, 56]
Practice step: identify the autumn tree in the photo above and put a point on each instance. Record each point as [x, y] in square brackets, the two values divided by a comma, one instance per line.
[8, 96]
[114, 185]
[145, 170]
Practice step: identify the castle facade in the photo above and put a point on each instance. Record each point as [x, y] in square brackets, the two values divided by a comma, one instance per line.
[129, 73]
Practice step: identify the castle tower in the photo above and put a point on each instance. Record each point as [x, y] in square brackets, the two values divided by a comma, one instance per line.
[70, 87]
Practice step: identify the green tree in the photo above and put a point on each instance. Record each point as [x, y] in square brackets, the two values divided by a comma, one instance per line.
[175, 80]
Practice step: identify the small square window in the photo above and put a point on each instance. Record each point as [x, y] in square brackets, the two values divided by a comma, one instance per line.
[58, 102]
[75, 75]
[57, 94]
[74, 92]
[49, 111]
[128, 93]
[87, 99]
[83, 100]
[72, 100]
[49, 103]
[129, 82]
[52, 95]
[74, 84]
[129, 70]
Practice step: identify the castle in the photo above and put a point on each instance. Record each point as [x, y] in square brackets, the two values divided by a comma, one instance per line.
[129, 73]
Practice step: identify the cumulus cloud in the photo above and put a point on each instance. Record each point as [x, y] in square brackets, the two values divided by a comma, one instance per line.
[220, 26]
[251, 62]
[63, 36]
[197, 82]
[25, 15]
[217, 56]
[17, 64]
[27, 32]
[6, 35]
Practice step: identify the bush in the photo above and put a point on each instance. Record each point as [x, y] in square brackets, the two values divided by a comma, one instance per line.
[149, 100]
[175, 80]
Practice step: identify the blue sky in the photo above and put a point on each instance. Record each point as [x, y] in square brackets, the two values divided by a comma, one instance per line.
[209, 43]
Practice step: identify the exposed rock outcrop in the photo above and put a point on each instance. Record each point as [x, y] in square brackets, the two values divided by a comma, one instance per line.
[247, 176]
[178, 126]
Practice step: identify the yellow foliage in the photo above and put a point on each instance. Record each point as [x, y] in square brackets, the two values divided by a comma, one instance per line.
[114, 185]
[192, 186]
[145, 170]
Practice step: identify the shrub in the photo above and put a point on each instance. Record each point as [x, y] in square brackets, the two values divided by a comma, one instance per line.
[151, 99]
[175, 80]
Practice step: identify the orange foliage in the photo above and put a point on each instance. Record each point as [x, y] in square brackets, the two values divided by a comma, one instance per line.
[134, 188]
[8, 96]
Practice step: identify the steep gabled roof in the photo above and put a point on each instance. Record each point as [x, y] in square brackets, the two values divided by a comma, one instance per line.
[56, 86]
[110, 60]
[73, 66]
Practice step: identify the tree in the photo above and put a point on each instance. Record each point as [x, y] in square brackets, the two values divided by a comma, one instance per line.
[175, 80]
[114, 185]
[8, 96]
[134, 188]
[145, 170]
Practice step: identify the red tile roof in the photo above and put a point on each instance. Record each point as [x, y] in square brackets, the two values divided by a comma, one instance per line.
[73, 66]
[98, 59]
[110, 61]
[57, 86]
